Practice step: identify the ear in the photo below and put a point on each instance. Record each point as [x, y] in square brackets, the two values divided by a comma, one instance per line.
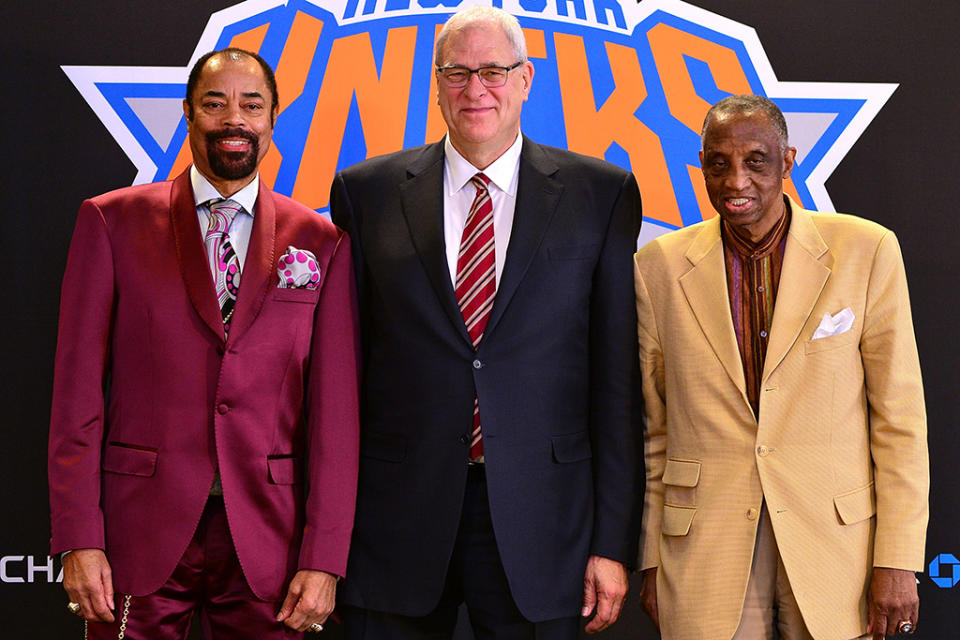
[186, 110]
[703, 169]
[526, 75]
[788, 159]
[273, 115]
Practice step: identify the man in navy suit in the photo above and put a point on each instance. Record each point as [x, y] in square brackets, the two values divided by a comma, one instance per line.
[498, 420]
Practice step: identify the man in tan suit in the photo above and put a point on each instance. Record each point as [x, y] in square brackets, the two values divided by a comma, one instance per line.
[785, 435]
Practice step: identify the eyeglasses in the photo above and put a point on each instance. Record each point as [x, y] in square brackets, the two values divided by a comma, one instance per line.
[455, 76]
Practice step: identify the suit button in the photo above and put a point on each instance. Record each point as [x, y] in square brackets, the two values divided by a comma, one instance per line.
[464, 439]
[751, 514]
[222, 408]
[762, 451]
[477, 364]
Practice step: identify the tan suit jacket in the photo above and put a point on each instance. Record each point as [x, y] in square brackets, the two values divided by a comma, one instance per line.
[838, 453]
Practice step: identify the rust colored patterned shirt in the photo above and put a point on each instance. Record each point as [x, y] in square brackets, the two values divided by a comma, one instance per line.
[753, 277]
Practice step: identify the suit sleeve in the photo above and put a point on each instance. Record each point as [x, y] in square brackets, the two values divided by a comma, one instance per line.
[345, 217]
[80, 372]
[614, 389]
[655, 422]
[333, 428]
[898, 424]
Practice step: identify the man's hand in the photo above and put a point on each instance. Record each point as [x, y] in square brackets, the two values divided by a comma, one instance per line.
[605, 587]
[89, 582]
[892, 597]
[310, 599]
[648, 595]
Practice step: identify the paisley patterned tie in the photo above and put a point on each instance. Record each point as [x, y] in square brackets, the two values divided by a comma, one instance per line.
[224, 263]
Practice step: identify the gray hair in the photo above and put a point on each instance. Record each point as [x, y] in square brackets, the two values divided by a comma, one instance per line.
[480, 16]
[747, 105]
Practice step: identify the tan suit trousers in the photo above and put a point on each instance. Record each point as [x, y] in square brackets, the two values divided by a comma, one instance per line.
[769, 608]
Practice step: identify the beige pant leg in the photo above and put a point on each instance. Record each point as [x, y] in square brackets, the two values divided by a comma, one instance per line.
[769, 608]
[770, 611]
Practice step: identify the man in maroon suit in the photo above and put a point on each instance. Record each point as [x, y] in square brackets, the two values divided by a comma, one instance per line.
[203, 439]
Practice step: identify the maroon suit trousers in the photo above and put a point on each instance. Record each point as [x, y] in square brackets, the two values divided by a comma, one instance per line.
[208, 580]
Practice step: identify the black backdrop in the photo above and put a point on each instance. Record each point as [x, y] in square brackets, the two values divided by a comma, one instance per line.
[901, 173]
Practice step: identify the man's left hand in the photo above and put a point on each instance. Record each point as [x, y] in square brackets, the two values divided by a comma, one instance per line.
[605, 587]
[310, 599]
[892, 598]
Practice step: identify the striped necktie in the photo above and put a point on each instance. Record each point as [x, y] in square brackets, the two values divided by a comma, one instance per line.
[224, 263]
[476, 281]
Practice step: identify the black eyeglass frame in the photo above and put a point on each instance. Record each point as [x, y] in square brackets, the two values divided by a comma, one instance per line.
[506, 73]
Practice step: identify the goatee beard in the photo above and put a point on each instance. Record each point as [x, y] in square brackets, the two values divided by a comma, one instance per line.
[232, 165]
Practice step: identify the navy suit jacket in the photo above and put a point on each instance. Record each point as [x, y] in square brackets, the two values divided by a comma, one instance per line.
[556, 376]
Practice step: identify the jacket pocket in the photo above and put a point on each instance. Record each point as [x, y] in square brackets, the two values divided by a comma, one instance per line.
[681, 473]
[680, 479]
[283, 469]
[128, 459]
[857, 505]
[677, 520]
[382, 446]
[306, 296]
[573, 447]
[831, 342]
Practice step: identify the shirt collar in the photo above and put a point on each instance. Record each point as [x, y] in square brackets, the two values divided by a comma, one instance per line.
[502, 173]
[203, 191]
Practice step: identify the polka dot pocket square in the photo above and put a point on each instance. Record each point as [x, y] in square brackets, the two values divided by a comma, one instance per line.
[297, 269]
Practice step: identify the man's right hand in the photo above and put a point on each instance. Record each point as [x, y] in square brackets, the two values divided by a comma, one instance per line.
[89, 582]
[648, 595]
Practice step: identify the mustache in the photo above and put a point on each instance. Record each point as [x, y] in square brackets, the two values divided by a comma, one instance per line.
[230, 132]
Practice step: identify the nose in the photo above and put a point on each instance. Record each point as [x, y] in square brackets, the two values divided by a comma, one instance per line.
[474, 89]
[232, 115]
[738, 177]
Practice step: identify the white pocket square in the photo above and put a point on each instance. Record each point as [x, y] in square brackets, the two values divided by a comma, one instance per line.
[834, 325]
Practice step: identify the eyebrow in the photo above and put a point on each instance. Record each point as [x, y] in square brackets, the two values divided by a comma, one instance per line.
[483, 65]
[221, 94]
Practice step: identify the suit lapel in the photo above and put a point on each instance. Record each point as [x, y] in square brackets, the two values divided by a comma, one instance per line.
[538, 194]
[806, 268]
[421, 198]
[192, 256]
[258, 266]
[705, 287]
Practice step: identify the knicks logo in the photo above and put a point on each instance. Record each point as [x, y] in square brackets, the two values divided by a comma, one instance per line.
[624, 81]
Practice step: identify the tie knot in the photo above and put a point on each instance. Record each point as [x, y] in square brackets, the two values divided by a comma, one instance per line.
[480, 181]
[222, 212]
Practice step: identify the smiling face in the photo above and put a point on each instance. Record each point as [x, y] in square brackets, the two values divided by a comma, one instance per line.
[232, 121]
[482, 121]
[744, 166]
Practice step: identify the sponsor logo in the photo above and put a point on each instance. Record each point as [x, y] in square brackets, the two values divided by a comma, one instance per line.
[944, 570]
[616, 79]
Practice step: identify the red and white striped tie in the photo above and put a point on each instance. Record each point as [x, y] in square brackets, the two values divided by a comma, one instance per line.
[476, 281]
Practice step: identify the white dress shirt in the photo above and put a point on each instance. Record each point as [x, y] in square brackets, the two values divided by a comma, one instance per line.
[458, 196]
[242, 224]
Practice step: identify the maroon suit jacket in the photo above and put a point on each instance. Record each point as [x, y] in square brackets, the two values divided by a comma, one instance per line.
[148, 396]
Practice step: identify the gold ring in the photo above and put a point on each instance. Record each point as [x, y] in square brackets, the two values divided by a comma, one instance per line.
[316, 627]
[74, 607]
[905, 626]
